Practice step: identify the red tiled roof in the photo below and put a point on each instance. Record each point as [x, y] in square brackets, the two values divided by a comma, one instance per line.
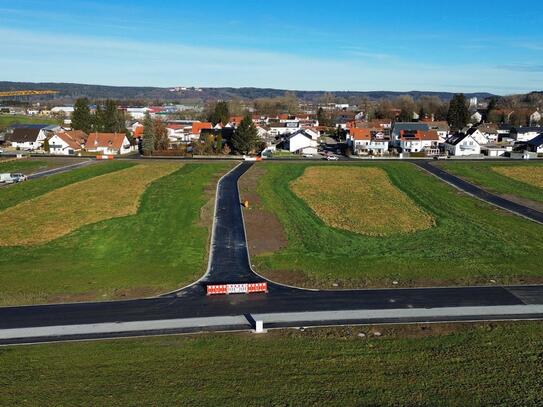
[111, 140]
[75, 138]
[197, 127]
[360, 134]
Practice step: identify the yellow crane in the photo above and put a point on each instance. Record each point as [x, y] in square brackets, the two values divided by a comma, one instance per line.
[15, 93]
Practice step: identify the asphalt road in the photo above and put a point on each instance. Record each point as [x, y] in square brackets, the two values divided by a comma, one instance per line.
[230, 263]
[480, 193]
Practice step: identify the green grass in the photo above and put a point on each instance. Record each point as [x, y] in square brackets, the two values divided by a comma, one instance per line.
[478, 365]
[471, 243]
[160, 248]
[33, 188]
[483, 175]
[22, 166]
[9, 120]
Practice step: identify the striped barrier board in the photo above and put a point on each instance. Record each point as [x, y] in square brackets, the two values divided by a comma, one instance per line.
[245, 288]
[104, 157]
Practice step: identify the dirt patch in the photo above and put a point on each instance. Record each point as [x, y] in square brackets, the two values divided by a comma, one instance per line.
[265, 234]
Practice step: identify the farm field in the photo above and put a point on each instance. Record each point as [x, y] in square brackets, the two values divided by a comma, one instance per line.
[471, 242]
[32, 165]
[522, 182]
[161, 247]
[432, 365]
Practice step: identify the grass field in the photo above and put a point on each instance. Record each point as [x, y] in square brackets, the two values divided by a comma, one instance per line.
[25, 166]
[492, 177]
[471, 243]
[63, 210]
[160, 248]
[436, 365]
[7, 120]
[359, 199]
[532, 175]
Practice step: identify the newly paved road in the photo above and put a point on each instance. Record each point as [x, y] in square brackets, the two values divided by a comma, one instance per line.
[190, 310]
[480, 193]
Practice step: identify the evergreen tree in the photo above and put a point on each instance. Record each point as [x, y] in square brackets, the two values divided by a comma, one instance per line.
[46, 146]
[112, 118]
[81, 117]
[220, 114]
[405, 116]
[148, 136]
[219, 144]
[458, 115]
[245, 137]
[422, 114]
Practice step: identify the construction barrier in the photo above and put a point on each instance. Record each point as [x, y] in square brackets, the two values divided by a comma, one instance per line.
[249, 288]
[104, 157]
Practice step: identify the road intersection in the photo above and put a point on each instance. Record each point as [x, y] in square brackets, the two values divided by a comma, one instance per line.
[190, 310]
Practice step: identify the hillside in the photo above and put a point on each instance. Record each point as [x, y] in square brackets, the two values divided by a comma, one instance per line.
[70, 91]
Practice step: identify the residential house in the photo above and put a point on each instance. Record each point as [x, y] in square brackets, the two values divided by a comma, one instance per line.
[419, 141]
[301, 142]
[462, 144]
[490, 131]
[368, 142]
[477, 135]
[67, 142]
[496, 149]
[398, 127]
[197, 128]
[108, 143]
[534, 145]
[65, 110]
[281, 129]
[525, 133]
[476, 117]
[31, 137]
[441, 127]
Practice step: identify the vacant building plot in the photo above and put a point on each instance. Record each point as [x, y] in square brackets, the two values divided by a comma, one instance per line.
[469, 242]
[528, 175]
[520, 182]
[63, 210]
[159, 247]
[426, 365]
[361, 200]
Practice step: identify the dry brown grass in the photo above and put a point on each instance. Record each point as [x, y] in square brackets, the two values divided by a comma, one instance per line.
[63, 210]
[360, 200]
[528, 175]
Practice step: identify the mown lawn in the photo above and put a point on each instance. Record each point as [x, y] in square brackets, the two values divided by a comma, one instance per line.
[483, 175]
[23, 165]
[463, 365]
[7, 120]
[471, 243]
[160, 248]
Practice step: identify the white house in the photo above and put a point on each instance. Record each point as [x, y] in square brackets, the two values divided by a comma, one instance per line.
[477, 135]
[536, 144]
[525, 133]
[137, 113]
[462, 144]
[31, 137]
[108, 143]
[280, 129]
[301, 142]
[67, 142]
[476, 117]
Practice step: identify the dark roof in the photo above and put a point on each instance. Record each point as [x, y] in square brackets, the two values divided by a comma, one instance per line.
[536, 141]
[29, 126]
[302, 132]
[456, 138]
[24, 135]
[399, 126]
[527, 129]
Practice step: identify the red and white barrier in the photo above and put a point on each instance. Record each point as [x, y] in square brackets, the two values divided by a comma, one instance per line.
[215, 289]
[104, 157]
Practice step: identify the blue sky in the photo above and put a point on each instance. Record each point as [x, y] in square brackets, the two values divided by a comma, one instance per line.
[308, 45]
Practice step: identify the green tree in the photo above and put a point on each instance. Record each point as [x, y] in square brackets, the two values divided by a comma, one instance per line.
[405, 116]
[219, 144]
[112, 119]
[148, 135]
[45, 146]
[422, 113]
[220, 114]
[458, 115]
[81, 117]
[245, 137]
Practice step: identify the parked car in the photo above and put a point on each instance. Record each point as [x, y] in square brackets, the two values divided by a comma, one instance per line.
[308, 156]
[12, 178]
[332, 158]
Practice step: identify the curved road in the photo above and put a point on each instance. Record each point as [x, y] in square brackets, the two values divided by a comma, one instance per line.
[189, 310]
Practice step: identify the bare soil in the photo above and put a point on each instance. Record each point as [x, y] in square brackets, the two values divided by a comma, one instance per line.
[265, 234]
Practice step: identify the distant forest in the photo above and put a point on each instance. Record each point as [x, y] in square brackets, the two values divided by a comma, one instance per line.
[68, 92]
